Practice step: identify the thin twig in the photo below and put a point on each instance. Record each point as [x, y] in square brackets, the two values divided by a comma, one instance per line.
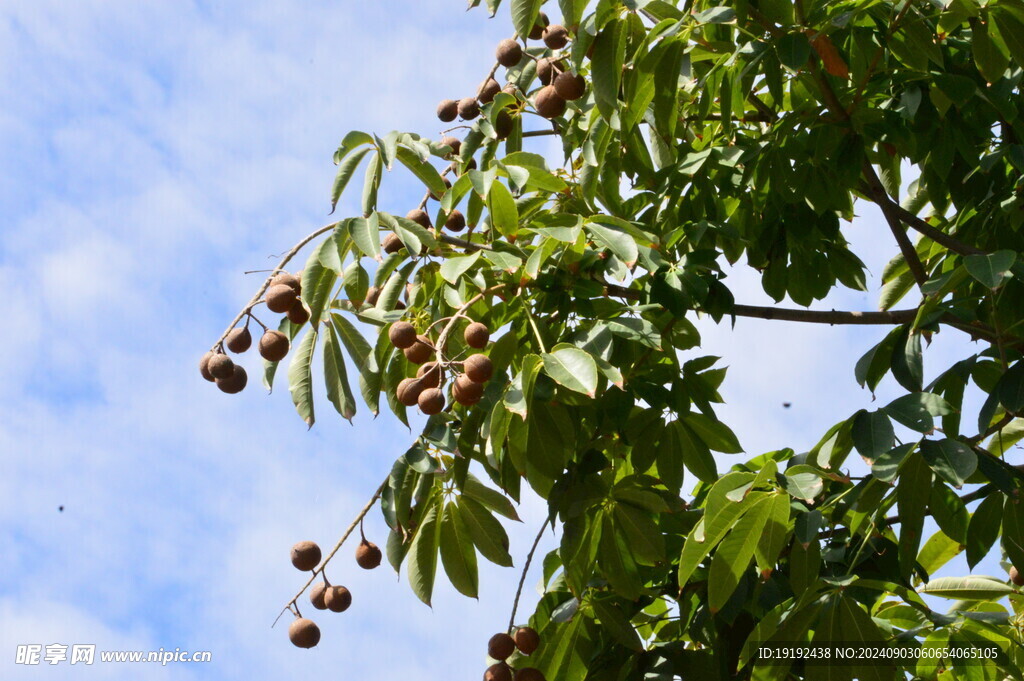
[522, 578]
[355, 523]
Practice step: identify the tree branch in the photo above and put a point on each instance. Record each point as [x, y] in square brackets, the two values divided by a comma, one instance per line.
[522, 579]
[881, 197]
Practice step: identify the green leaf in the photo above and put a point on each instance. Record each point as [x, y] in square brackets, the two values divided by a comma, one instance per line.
[524, 15]
[990, 53]
[733, 556]
[270, 368]
[914, 478]
[300, 377]
[641, 533]
[371, 184]
[991, 269]
[983, 528]
[1010, 388]
[916, 410]
[346, 169]
[776, 531]
[453, 268]
[564, 651]
[336, 377]
[365, 360]
[457, 553]
[970, 588]
[1006, 437]
[616, 560]
[696, 455]
[872, 433]
[365, 233]
[937, 552]
[1013, 530]
[486, 532]
[613, 620]
[949, 512]
[502, 207]
[422, 558]
[714, 433]
[317, 286]
[953, 461]
[426, 173]
[572, 368]
[615, 240]
[708, 532]
[490, 498]
[793, 49]
[606, 66]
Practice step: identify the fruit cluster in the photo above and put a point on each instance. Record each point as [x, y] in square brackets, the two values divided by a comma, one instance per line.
[306, 555]
[425, 388]
[501, 646]
[284, 297]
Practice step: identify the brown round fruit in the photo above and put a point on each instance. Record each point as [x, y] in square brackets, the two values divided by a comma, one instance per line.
[485, 93]
[498, 672]
[368, 555]
[372, 294]
[555, 36]
[466, 391]
[504, 124]
[431, 401]
[204, 367]
[570, 86]
[280, 298]
[305, 555]
[221, 366]
[456, 221]
[298, 314]
[273, 345]
[317, 593]
[469, 108]
[549, 103]
[408, 391]
[456, 144]
[402, 335]
[429, 375]
[527, 640]
[476, 335]
[235, 383]
[447, 110]
[337, 598]
[239, 340]
[419, 216]
[547, 69]
[537, 32]
[304, 633]
[529, 674]
[285, 279]
[509, 53]
[510, 89]
[392, 244]
[1016, 577]
[420, 351]
[478, 367]
[500, 646]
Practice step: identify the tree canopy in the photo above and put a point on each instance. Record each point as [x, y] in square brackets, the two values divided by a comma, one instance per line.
[706, 136]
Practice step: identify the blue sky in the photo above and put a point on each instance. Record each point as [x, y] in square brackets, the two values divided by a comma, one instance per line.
[152, 153]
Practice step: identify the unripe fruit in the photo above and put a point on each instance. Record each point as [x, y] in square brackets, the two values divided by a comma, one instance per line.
[485, 93]
[368, 555]
[456, 221]
[549, 103]
[316, 595]
[447, 110]
[420, 351]
[476, 335]
[429, 375]
[529, 674]
[419, 216]
[500, 646]
[280, 298]
[239, 340]
[478, 367]
[431, 401]
[392, 244]
[469, 108]
[298, 314]
[555, 36]
[273, 345]
[337, 598]
[537, 32]
[305, 555]
[498, 672]
[503, 124]
[1016, 577]
[547, 69]
[527, 640]
[402, 335]
[285, 279]
[569, 86]
[235, 383]
[221, 366]
[466, 391]
[456, 144]
[509, 52]
[304, 633]
[408, 391]
[204, 367]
